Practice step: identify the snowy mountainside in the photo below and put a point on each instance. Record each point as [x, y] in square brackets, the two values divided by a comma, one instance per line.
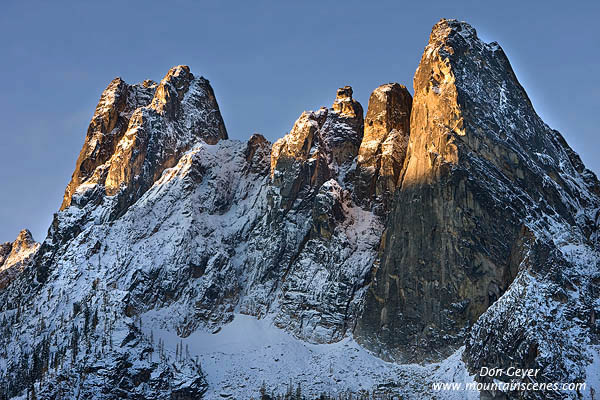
[250, 352]
[198, 214]
[357, 255]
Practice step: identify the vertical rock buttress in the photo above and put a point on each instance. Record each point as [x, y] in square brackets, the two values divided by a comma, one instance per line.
[383, 149]
[446, 253]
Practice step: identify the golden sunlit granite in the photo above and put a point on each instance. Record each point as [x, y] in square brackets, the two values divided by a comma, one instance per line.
[383, 148]
[15, 256]
[140, 130]
[321, 145]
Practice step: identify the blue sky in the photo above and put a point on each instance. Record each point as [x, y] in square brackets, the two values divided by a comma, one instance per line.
[267, 61]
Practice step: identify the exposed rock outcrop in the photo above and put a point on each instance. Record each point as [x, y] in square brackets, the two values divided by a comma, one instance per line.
[487, 189]
[15, 256]
[316, 247]
[320, 146]
[5, 249]
[136, 133]
[109, 123]
[182, 111]
[383, 149]
[299, 161]
[469, 230]
[343, 129]
[140, 130]
[258, 154]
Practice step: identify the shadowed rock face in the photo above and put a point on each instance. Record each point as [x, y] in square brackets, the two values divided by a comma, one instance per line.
[343, 128]
[258, 153]
[298, 160]
[480, 166]
[318, 247]
[5, 249]
[435, 269]
[383, 149]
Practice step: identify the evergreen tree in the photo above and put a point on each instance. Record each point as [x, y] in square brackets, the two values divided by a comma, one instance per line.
[95, 320]
[74, 343]
[86, 321]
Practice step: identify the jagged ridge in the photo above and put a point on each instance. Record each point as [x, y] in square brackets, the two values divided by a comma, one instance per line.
[435, 222]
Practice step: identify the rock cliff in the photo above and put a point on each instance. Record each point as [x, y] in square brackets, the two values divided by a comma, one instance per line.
[494, 213]
[383, 149]
[140, 130]
[136, 133]
[453, 229]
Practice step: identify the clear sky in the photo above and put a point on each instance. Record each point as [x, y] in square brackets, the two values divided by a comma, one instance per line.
[267, 62]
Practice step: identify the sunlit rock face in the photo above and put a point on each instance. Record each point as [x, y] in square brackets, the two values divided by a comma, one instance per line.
[109, 123]
[489, 206]
[182, 111]
[140, 142]
[423, 293]
[140, 130]
[383, 148]
[15, 256]
[321, 145]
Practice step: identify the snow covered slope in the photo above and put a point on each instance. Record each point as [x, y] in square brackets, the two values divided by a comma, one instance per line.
[354, 256]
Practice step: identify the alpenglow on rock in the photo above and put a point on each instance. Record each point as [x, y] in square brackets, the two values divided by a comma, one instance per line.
[136, 133]
[140, 130]
[494, 211]
[320, 146]
[383, 149]
[15, 256]
[453, 229]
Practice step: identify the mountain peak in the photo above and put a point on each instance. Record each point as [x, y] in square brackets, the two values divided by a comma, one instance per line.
[452, 224]
[171, 90]
[383, 148]
[139, 130]
[24, 239]
[108, 125]
[345, 105]
[319, 143]
[453, 25]
[15, 256]
[480, 163]
[448, 28]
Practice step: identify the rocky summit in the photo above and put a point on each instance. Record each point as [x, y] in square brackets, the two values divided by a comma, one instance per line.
[360, 255]
[15, 256]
